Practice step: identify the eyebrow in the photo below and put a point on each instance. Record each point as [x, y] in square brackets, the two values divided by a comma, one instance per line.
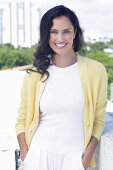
[63, 30]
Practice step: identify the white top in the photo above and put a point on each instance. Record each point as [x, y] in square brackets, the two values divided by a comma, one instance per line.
[62, 101]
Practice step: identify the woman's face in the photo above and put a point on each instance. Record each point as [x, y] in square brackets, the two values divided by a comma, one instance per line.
[61, 35]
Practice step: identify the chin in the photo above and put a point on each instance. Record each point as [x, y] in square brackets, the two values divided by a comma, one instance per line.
[60, 52]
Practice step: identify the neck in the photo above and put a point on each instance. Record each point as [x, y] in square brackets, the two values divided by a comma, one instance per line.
[64, 61]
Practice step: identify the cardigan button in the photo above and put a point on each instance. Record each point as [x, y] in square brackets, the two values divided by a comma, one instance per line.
[86, 122]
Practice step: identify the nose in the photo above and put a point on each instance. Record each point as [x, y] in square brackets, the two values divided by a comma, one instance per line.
[60, 37]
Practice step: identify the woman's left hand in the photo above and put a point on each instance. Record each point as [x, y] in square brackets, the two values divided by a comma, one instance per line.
[86, 159]
[85, 164]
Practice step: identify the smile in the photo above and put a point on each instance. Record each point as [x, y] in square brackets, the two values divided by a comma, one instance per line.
[60, 45]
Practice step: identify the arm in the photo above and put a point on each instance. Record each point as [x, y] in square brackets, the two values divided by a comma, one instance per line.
[89, 152]
[22, 145]
[22, 111]
[101, 103]
[21, 120]
[98, 125]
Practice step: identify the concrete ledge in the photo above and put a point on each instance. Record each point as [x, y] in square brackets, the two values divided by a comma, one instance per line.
[104, 150]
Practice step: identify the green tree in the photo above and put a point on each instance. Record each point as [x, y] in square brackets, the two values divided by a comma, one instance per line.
[108, 63]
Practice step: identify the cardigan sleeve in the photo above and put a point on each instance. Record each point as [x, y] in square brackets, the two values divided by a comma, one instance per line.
[101, 104]
[21, 118]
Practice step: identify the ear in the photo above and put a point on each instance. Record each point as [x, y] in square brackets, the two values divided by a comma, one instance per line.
[75, 32]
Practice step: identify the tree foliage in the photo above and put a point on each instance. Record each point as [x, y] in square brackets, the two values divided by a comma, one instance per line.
[12, 57]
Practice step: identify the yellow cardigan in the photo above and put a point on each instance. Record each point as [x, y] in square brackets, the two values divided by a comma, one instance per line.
[94, 83]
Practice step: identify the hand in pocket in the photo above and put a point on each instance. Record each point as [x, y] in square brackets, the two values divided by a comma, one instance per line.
[84, 163]
[24, 154]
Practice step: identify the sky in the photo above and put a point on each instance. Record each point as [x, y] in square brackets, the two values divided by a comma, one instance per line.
[95, 16]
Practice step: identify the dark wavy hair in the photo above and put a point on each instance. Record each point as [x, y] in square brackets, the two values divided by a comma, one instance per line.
[44, 52]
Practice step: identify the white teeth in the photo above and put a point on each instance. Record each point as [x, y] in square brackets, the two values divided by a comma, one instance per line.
[60, 45]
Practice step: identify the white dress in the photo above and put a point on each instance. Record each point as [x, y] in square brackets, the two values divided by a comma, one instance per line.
[58, 143]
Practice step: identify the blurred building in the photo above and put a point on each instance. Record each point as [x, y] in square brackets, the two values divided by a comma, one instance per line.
[19, 23]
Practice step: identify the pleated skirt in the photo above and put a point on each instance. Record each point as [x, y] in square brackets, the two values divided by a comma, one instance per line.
[44, 157]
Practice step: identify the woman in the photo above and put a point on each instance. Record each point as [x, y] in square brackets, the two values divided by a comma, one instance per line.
[61, 116]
